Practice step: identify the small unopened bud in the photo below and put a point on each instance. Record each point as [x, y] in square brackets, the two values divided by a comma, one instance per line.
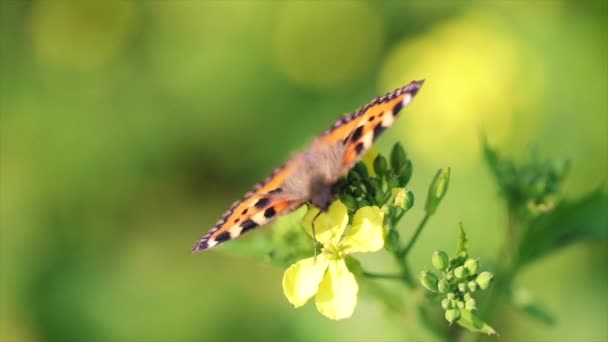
[437, 190]
[446, 304]
[349, 201]
[472, 266]
[462, 287]
[398, 157]
[466, 296]
[470, 304]
[380, 165]
[404, 199]
[440, 260]
[450, 295]
[460, 304]
[361, 170]
[484, 279]
[452, 315]
[428, 280]
[443, 286]
[459, 272]
[449, 275]
[472, 285]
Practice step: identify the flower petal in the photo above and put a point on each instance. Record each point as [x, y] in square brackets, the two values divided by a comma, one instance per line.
[301, 280]
[366, 234]
[337, 296]
[329, 226]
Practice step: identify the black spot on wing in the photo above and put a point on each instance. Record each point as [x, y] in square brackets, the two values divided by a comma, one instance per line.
[244, 211]
[248, 225]
[414, 90]
[397, 108]
[359, 147]
[262, 202]
[371, 118]
[270, 212]
[378, 130]
[356, 134]
[222, 237]
[275, 191]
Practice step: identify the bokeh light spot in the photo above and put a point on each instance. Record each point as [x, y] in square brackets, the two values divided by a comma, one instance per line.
[325, 44]
[472, 66]
[80, 34]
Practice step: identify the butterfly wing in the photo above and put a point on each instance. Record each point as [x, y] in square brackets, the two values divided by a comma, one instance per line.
[261, 205]
[265, 201]
[359, 130]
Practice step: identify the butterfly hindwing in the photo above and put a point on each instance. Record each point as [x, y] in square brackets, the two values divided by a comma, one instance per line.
[261, 205]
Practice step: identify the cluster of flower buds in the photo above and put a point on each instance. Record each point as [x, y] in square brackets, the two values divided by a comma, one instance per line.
[460, 278]
[384, 186]
[535, 182]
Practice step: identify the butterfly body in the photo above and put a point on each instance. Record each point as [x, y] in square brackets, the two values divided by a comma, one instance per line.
[310, 176]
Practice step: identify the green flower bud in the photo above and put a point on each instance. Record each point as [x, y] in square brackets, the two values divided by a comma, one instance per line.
[470, 304]
[361, 170]
[472, 266]
[446, 304]
[440, 260]
[466, 296]
[428, 280]
[443, 286]
[398, 157]
[380, 165]
[484, 279]
[462, 287]
[404, 199]
[460, 304]
[459, 272]
[349, 201]
[364, 203]
[452, 315]
[450, 295]
[449, 275]
[391, 180]
[472, 285]
[405, 175]
[437, 190]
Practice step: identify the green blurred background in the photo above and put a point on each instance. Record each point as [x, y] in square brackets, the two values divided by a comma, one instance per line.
[128, 127]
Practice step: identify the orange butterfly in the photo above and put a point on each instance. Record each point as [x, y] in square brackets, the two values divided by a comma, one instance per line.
[310, 175]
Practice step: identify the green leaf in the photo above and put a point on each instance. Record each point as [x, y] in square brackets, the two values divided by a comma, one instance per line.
[463, 242]
[585, 219]
[473, 323]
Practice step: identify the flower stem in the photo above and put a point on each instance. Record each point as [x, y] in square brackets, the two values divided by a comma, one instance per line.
[403, 252]
[382, 275]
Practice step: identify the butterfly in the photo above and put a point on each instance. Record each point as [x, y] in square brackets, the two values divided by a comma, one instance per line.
[310, 175]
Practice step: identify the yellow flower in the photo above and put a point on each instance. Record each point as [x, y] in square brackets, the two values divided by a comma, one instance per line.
[327, 275]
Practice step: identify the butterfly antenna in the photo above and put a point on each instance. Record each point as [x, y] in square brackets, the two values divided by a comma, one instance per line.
[314, 235]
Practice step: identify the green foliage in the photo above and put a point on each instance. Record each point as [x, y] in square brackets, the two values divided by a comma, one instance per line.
[571, 221]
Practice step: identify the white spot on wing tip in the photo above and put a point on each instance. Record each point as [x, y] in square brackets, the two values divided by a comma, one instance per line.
[406, 99]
